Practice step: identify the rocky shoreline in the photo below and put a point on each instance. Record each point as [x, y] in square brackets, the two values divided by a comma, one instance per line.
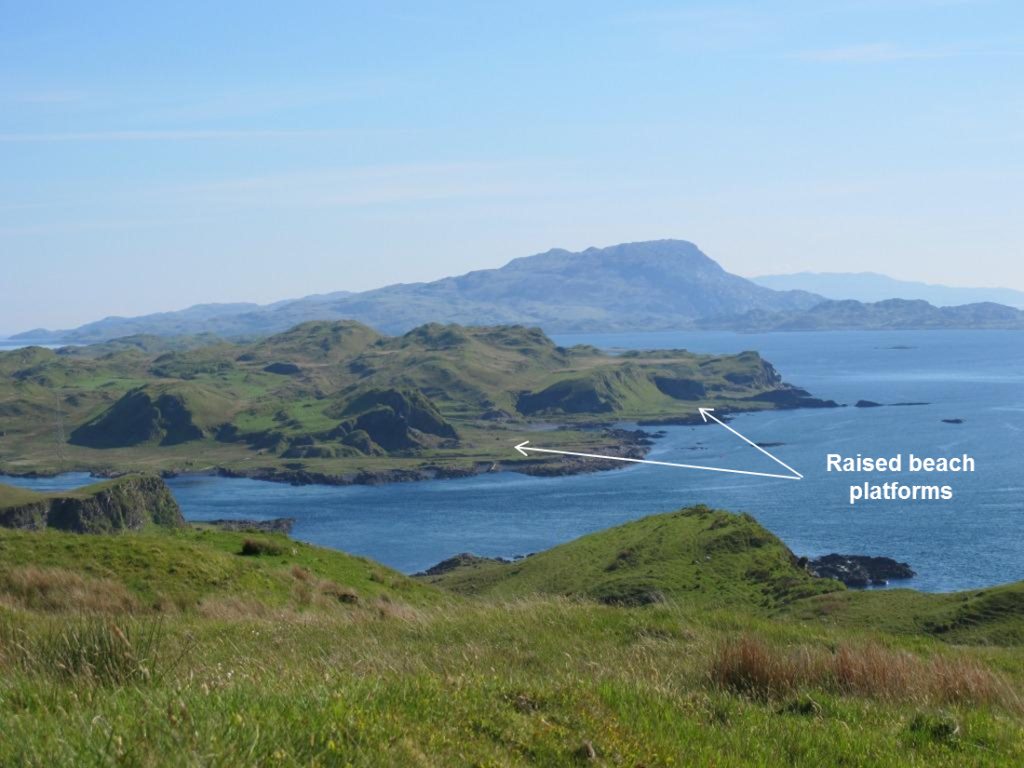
[624, 443]
[859, 570]
[633, 444]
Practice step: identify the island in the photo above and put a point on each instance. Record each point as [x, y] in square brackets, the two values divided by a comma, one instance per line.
[337, 402]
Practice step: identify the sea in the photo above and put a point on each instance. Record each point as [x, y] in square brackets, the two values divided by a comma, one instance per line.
[974, 539]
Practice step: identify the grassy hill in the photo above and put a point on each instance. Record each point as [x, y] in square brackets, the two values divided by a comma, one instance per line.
[699, 557]
[337, 399]
[198, 646]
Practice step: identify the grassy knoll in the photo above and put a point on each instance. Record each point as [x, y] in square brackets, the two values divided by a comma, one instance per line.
[698, 556]
[171, 647]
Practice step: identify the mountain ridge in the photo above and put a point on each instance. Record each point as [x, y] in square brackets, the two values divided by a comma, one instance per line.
[872, 287]
[660, 284]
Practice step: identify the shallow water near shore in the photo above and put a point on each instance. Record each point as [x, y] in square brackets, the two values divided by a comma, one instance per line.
[973, 540]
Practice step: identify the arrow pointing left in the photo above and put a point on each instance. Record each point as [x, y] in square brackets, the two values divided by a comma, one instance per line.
[523, 450]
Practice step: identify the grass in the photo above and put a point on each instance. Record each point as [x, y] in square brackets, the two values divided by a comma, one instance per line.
[182, 570]
[171, 647]
[540, 681]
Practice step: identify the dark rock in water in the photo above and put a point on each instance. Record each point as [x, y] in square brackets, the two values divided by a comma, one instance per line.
[859, 570]
[276, 525]
[793, 397]
[952, 421]
[459, 561]
[282, 369]
[768, 445]
[867, 404]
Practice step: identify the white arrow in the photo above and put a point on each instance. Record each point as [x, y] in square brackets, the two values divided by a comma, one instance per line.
[706, 413]
[703, 412]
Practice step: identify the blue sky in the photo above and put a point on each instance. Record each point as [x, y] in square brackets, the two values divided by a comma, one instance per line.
[156, 156]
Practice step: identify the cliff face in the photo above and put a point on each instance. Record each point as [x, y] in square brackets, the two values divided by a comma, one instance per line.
[115, 506]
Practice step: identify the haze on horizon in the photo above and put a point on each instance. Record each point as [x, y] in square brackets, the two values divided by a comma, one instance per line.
[158, 157]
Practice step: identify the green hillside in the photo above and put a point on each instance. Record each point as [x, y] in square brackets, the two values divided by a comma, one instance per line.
[198, 646]
[698, 557]
[992, 616]
[338, 400]
[195, 568]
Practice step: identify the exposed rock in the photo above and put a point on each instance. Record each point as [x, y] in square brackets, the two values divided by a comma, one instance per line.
[125, 504]
[459, 561]
[859, 570]
[679, 388]
[952, 421]
[867, 404]
[793, 397]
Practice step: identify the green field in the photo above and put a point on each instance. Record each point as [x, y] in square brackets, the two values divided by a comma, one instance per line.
[169, 646]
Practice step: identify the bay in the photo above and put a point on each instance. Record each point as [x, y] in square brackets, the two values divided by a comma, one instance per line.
[973, 540]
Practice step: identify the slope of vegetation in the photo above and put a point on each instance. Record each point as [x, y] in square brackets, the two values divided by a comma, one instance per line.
[699, 557]
[199, 646]
[337, 398]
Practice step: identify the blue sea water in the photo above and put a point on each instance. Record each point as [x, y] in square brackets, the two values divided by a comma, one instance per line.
[974, 539]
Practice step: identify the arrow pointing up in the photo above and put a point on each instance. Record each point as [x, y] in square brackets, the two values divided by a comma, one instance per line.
[706, 413]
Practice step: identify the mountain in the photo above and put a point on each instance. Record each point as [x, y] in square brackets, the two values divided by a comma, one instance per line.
[871, 286]
[892, 314]
[664, 284]
[239, 319]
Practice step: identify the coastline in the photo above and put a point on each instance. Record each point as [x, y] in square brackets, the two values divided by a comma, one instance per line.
[627, 443]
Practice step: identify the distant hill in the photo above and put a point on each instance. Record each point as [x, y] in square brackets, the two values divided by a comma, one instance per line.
[892, 314]
[664, 284]
[871, 286]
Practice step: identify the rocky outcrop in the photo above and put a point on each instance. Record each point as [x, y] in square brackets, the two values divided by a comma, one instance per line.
[165, 414]
[463, 560]
[859, 570]
[124, 504]
[793, 397]
[383, 420]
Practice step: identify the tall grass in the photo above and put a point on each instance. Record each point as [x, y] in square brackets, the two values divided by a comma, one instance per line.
[93, 650]
[58, 589]
[754, 668]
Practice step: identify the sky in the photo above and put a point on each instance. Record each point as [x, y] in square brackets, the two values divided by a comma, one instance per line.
[154, 156]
